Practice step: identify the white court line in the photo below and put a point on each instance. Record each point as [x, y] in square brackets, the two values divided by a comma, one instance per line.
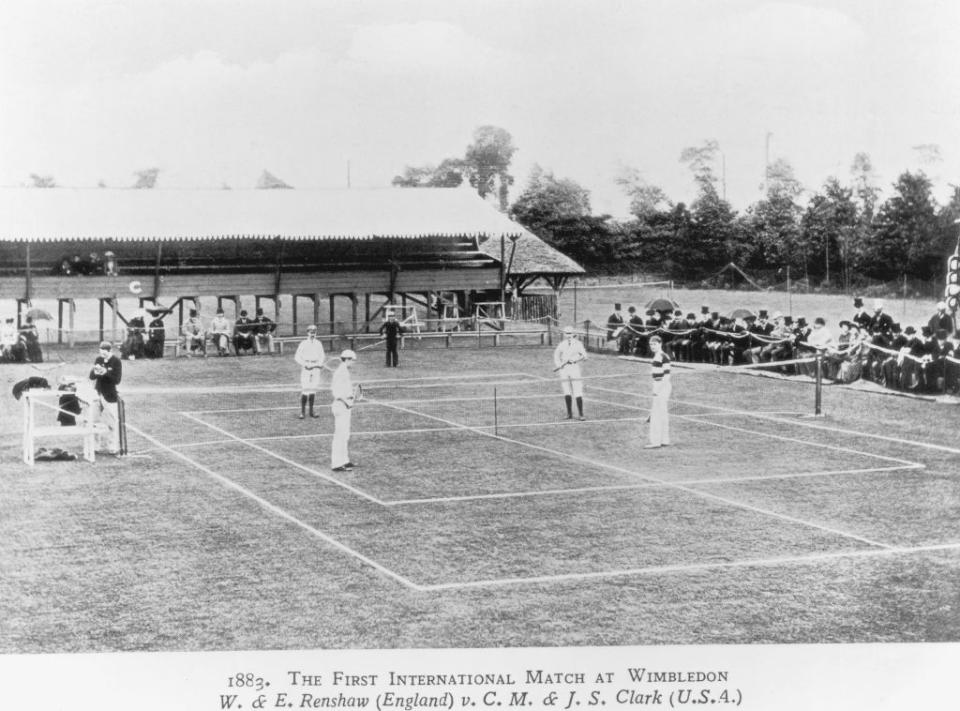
[650, 485]
[292, 387]
[814, 426]
[668, 484]
[273, 508]
[287, 460]
[730, 411]
[692, 567]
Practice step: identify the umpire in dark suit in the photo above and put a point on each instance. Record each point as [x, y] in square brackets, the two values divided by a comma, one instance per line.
[392, 330]
[106, 373]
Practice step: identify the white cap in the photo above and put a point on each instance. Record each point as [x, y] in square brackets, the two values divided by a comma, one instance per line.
[568, 330]
[878, 304]
[348, 355]
[941, 305]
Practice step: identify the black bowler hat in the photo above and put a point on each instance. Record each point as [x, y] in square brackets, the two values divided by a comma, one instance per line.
[857, 302]
[910, 330]
[763, 313]
[616, 307]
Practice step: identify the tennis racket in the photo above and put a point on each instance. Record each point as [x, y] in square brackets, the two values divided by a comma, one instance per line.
[358, 393]
[569, 362]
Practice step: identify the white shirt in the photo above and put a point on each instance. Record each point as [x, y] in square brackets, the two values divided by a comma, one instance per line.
[820, 338]
[341, 385]
[220, 324]
[569, 351]
[309, 353]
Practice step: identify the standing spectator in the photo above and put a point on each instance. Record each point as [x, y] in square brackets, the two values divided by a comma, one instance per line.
[861, 317]
[220, 329]
[942, 321]
[106, 373]
[244, 334]
[634, 330]
[659, 414]
[310, 357]
[30, 337]
[133, 347]
[567, 358]
[341, 387]
[156, 334]
[615, 326]
[194, 336]
[880, 322]
[391, 331]
[264, 332]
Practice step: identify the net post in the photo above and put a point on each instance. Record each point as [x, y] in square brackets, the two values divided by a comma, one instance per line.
[496, 431]
[818, 388]
[122, 425]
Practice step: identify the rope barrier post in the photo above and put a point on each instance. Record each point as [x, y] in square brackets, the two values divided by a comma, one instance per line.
[818, 397]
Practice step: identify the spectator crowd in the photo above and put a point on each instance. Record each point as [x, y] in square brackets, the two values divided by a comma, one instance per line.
[869, 345]
[146, 339]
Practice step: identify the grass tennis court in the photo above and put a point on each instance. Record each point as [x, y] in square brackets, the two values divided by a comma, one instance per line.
[480, 517]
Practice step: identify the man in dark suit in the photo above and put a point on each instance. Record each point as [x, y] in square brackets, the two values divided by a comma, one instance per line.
[861, 317]
[615, 327]
[391, 330]
[880, 322]
[244, 333]
[106, 373]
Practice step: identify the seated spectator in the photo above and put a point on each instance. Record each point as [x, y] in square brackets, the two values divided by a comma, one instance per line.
[244, 331]
[30, 338]
[779, 346]
[194, 336]
[68, 405]
[264, 332]
[942, 321]
[8, 340]
[220, 332]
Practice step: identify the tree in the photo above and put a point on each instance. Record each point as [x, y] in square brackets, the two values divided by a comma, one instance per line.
[449, 174]
[547, 198]
[906, 232]
[268, 181]
[146, 179]
[701, 160]
[558, 211]
[646, 199]
[43, 181]
[827, 226]
[488, 160]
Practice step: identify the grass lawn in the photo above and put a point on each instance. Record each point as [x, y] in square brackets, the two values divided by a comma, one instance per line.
[479, 517]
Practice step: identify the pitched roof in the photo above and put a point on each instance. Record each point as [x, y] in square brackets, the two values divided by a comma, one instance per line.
[54, 214]
[532, 256]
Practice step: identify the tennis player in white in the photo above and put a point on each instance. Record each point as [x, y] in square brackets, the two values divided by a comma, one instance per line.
[310, 357]
[659, 415]
[341, 387]
[567, 358]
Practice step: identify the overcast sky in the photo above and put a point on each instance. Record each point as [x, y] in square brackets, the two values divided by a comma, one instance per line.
[214, 92]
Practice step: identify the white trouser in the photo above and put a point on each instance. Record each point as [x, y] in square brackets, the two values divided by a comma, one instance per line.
[339, 451]
[659, 416]
[107, 413]
[571, 380]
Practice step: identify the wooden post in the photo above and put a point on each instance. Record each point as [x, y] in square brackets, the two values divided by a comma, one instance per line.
[59, 321]
[366, 314]
[101, 318]
[27, 295]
